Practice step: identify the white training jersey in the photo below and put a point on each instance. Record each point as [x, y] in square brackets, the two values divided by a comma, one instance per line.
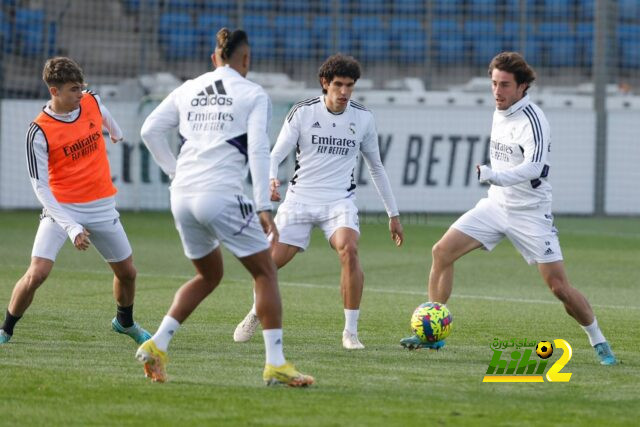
[520, 146]
[223, 121]
[327, 147]
[69, 216]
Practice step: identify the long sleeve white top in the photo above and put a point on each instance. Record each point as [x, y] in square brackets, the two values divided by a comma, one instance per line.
[520, 156]
[327, 147]
[223, 120]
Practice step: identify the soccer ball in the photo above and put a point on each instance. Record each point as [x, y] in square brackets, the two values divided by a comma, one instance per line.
[544, 349]
[431, 322]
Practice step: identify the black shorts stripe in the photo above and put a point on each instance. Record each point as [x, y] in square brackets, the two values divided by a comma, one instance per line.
[305, 103]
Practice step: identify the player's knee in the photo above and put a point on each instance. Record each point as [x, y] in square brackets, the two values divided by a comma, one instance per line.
[128, 275]
[348, 253]
[440, 253]
[559, 288]
[33, 278]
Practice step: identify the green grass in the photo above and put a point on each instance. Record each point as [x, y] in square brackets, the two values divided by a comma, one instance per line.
[65, 366]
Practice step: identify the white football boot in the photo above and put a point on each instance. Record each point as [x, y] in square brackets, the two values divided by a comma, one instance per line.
[245, 329]
[350, 341]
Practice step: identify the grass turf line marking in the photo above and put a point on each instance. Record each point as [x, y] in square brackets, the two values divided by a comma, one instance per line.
[369, 289]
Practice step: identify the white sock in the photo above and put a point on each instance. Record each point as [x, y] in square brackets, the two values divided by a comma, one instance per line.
[594, 333]
[273, 346]
[351, 320]
[165, 332]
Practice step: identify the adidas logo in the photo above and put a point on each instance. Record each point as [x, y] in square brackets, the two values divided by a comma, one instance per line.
[548, 252]
[91, 125]
[278, 341]
[213, 94]
[316, 125]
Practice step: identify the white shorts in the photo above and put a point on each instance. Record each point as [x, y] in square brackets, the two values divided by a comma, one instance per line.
[530, 230]
[203, 220]
[296, 220]
[108, 237]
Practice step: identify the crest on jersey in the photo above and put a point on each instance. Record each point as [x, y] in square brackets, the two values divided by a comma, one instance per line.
[352, 128]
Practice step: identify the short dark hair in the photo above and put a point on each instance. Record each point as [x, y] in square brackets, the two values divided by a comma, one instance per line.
[338, 65]
[61, 70]
[229, 41]
[514, 63]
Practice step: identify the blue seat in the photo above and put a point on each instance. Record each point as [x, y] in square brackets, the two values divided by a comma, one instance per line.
[296, 6]
[262, 36]
[408, 7]
[483, 39]
[479, 29]
[135, 6]
[563, 52]
[374, 45]
[253, 22]
[628, 32]
[409, 39]
[182, 5]
[448, 7]
[550, 31]
[260, 5]
[629, 10]
[512, 9]
[370, 6]
[217, 6]
[178, 36]
[557, 9]
[372, 37]
[323, 36]
[483, 50]
[450, 50]
[533, 51]
[443, 27]
[263, 43]
[362, 23]
[584, 36]
[297, 44]
[630, 53]
[29, 31]
[293, 36]
[585, 9]
[483, 7]
[5, 33]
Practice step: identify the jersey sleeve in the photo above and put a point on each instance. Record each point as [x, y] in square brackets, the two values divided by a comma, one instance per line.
[370, 138]
[258, 149]
[38, 165]
[162, 119]
[109, 122]
[535, 145]
[371, 153]
[287, 140]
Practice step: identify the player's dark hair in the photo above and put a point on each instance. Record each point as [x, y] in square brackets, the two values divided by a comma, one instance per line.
[338, 65]
[228, 42]
[61, 70]
[514, 63]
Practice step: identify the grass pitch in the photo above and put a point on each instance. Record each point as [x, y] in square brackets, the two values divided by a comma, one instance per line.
[64, 366]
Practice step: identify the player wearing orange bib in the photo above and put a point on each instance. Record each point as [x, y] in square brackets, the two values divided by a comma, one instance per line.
[69, 171]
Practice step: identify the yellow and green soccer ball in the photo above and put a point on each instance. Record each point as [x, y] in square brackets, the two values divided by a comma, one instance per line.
[431, 322]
